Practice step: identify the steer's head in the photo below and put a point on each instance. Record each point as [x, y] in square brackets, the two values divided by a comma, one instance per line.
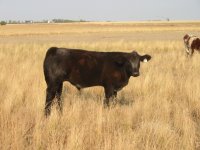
[133, 64]
[186, 38]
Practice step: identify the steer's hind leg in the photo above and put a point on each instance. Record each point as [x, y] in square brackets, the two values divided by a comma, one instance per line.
[115, 94]
[58, 96]
[50, 95]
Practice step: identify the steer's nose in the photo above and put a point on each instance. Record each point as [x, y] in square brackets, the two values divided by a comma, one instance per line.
[135, 74]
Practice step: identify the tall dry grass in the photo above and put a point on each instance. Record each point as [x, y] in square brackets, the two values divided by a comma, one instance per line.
[158, 110]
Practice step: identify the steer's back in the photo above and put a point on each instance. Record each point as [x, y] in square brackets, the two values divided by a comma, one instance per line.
[73, 65]
[193, 42]
[196, 44]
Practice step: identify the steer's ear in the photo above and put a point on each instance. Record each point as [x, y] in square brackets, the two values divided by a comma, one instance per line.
[145, 58]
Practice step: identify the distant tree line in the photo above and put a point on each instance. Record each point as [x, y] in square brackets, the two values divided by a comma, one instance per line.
[66, 21]
[41, 21]
[3, 23]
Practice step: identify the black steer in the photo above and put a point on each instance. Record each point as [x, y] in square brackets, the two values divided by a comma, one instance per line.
[82, 68]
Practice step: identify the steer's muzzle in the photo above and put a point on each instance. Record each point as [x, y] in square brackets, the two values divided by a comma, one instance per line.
[136, 74]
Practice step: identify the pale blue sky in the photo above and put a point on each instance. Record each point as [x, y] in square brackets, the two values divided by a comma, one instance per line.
[100, 10]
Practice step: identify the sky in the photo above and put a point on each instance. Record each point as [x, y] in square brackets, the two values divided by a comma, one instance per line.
[100, 10]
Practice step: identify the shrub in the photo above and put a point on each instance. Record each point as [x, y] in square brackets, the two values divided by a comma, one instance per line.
[2, 23]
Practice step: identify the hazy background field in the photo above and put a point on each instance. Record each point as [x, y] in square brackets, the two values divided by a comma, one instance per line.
[158, 110]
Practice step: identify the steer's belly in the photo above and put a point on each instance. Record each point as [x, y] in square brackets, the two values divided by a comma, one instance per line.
[84, 78]
[82, 84]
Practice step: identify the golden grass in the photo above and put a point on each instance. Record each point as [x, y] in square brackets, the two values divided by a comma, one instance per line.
[103, 27]
[158, 110]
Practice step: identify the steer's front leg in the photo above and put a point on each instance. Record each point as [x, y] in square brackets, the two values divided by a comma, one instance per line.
[109, 93]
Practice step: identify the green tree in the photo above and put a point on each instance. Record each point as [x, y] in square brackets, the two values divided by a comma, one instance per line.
[2, 23]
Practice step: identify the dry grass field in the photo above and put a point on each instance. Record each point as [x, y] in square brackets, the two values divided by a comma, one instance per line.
[159, 110]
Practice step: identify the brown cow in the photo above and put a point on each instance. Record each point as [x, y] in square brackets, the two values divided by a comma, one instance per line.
[82, 69]
[191, 43]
